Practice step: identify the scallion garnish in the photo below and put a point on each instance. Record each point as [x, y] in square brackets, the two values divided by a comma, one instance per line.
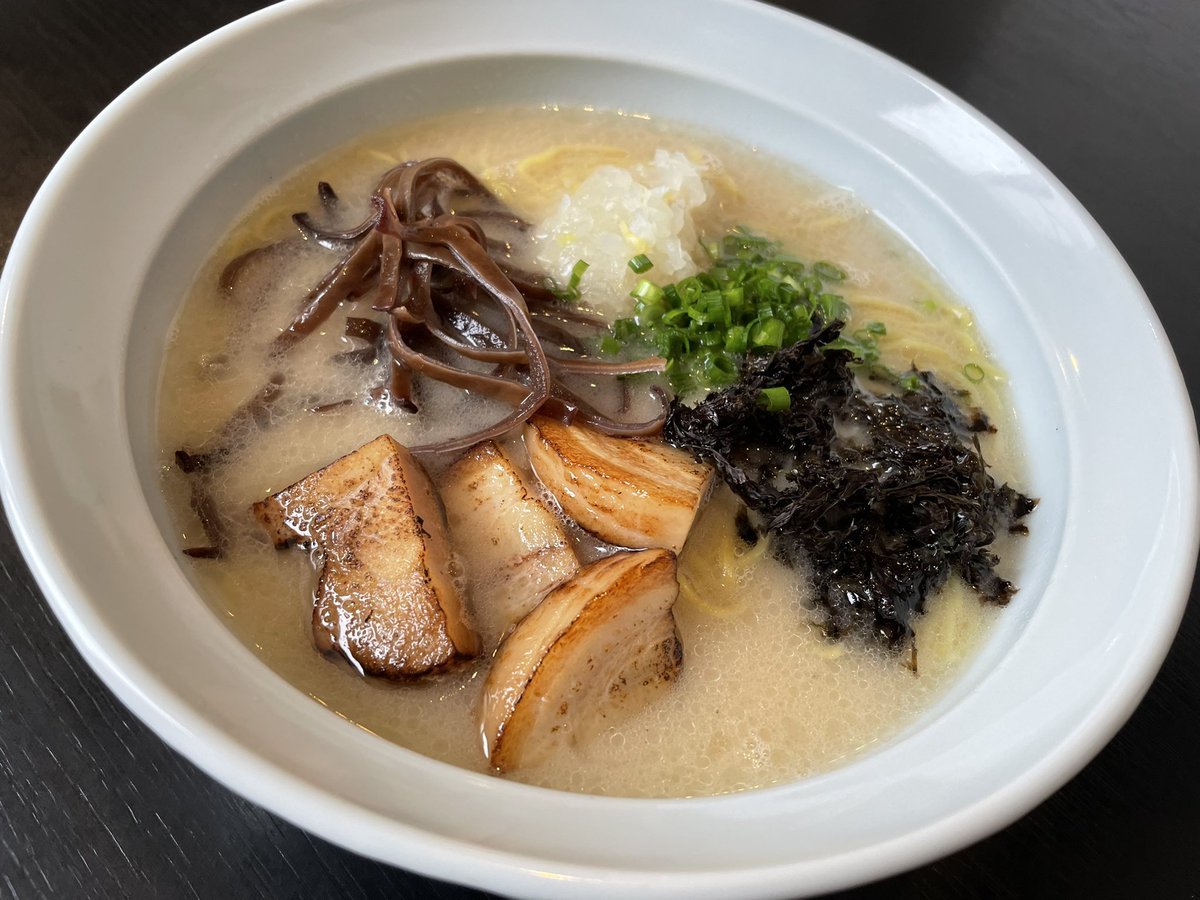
[973, 372]
[719, 369]
[767, 334]
[571, 291]
[647, 291]
[752, 300]
[775, 399]
[735, 339]
[828, 271]
[641, 263]
[577, 271]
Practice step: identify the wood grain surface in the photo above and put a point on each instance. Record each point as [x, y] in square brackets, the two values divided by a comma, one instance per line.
[1105, 93]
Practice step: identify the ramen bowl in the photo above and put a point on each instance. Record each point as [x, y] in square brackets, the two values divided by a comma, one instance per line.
[122, 225]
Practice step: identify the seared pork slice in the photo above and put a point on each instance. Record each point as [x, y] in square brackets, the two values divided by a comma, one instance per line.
[591, 653]
[627, 491]
[513, 548]
[386, 597]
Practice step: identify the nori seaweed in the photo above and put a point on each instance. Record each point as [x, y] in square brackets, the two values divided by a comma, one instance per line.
[884, 494]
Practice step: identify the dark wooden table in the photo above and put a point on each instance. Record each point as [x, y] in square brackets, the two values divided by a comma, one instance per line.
[1105, 92]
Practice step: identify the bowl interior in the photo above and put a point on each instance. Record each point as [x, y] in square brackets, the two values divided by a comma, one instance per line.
[830, 152]
[1066, 664]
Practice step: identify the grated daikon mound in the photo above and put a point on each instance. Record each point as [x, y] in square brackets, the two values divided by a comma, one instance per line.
[617, 213]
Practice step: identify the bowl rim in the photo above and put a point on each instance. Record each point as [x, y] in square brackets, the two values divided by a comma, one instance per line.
[249, 774]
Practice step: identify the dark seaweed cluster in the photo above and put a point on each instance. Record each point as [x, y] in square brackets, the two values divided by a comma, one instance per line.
[884, 494]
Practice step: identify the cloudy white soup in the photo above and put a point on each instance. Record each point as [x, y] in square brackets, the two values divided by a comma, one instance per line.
[590, 452]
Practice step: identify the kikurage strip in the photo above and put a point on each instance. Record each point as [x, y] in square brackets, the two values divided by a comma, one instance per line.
[422, 228]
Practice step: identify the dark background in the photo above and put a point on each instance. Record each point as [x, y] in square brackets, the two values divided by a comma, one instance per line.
[1105, 92]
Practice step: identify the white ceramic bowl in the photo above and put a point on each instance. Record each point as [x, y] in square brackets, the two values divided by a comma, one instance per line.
[122, 224]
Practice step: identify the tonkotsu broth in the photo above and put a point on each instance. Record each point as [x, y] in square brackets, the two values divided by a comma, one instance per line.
[763, 697]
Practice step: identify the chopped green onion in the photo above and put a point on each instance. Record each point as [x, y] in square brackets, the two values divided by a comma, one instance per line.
[709, 310]
[865, 343]
[828, 271]
[645, 314]
[753, 300]
[833, 307]
[775, 399]
[719, 369]
[910, 382]
[676, 317]
[577, 271]
[571, 291]
[641, 263]
[973, 372]
[735, 339]
[624, 330]
[610, 345]
[767, 334]
[648, 291]
[672, 343]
